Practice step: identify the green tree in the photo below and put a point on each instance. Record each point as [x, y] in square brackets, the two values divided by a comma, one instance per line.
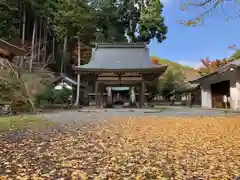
[139, 20]
[109, 25]
[9, 21]
[46, 23]
[171, 80]
[151, 24]
[106, 20]
[74, 18]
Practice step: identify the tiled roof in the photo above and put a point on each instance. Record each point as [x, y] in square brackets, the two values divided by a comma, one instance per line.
[68, 80]
[120, 56]
[226, 67]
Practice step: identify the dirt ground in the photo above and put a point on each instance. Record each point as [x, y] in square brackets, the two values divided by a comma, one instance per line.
[128, 147]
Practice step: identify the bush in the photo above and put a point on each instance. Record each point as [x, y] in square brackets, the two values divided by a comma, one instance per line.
[60, 96]
[47, 95]
[50, 95]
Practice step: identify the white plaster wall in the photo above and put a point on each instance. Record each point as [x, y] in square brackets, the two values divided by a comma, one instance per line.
[234, 90]
[206, 96]
[234, 93]
[237, 98]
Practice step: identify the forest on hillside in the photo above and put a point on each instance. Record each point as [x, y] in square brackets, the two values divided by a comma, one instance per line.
[53, 26]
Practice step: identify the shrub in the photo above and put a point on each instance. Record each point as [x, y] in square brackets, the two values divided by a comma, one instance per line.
[50, 95]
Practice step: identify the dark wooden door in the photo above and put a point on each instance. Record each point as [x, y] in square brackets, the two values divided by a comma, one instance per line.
[217, 101]
[218, 91]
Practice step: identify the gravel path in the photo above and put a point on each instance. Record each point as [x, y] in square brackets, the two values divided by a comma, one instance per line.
[71, 116]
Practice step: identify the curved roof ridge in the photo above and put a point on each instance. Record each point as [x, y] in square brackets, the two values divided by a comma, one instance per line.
[121, 45]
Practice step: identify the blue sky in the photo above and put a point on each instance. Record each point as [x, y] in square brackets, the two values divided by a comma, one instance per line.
[187, 45]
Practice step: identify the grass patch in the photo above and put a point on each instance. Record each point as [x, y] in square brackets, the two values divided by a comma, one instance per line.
[20, 123]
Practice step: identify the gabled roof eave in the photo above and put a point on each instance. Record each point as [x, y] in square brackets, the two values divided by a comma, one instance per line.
[67, 80]
[219, 71]
[152, 69]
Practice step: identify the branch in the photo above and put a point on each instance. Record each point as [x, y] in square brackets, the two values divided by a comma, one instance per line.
[204, 3]
[22, 82]
[45, 65]
[209, 6]
[5, 5]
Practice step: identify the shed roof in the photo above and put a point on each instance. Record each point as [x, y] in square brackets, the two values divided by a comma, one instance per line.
[11, 48]
[220, 70]
[119, 57]
[68, 80]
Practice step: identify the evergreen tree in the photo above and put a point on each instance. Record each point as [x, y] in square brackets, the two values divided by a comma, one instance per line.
[92, 20]
[151, 23]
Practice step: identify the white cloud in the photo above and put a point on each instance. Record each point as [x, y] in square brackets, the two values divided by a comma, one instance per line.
[165, 1]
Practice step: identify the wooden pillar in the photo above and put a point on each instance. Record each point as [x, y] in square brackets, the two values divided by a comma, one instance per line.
[96, 94]
[109, 97]
[101, 102]
[142, 95]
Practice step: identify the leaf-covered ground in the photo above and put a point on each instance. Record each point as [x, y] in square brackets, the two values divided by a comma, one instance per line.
[128, 148]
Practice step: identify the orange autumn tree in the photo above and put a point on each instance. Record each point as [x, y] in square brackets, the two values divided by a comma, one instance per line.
[209, 66]
[155, 60]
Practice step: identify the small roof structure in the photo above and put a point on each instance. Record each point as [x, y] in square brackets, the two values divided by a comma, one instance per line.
[67, 80]
[231, 64]
[132, 57]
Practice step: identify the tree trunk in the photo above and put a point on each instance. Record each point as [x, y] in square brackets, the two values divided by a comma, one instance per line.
[36, 43]
[53, 48]
[131, 33]
[39, 42]
[23, 40]
[78, 75]
[45, 41]
[33, 44]
[64, 54]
